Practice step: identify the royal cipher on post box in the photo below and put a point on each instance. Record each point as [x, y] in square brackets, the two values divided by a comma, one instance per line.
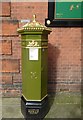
[34, 43]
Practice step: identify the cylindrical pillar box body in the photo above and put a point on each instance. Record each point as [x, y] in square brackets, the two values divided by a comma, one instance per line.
[34, 65]
[34, 43]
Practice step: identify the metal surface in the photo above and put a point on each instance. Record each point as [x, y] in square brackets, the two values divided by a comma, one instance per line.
[34, 42]
[34, 72]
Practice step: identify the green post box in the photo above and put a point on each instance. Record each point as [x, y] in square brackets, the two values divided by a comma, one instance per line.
[34, 43]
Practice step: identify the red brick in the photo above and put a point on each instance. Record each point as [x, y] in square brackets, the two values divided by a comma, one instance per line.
[6, 47]
[9, 65]
[0, 47]
[9, 27]
[28, 9]
[17, 78]
[6, 79]
[11, 93]
[16, 48]
[0, 8]
[6, 7]
[1, 79]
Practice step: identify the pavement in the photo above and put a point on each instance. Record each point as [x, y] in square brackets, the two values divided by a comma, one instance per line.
[62, 105]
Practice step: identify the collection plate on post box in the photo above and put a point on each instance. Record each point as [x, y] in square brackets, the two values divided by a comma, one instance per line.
[65, 13]
[33, 53]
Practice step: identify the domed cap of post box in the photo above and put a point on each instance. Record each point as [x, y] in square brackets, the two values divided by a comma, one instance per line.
[33, 26]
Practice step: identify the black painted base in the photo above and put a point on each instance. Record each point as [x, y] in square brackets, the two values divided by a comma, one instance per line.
[34, 110]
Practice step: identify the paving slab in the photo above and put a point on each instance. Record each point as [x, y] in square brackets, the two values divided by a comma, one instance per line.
[61, 106]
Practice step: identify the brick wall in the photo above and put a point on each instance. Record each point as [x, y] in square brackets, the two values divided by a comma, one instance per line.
[64, 50]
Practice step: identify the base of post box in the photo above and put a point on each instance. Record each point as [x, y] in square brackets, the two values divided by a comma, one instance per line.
[34, 109]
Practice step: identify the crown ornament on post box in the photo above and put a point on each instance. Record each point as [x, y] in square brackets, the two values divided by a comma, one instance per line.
[33, 25]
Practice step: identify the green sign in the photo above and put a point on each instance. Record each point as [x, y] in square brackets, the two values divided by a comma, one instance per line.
[68, 9]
